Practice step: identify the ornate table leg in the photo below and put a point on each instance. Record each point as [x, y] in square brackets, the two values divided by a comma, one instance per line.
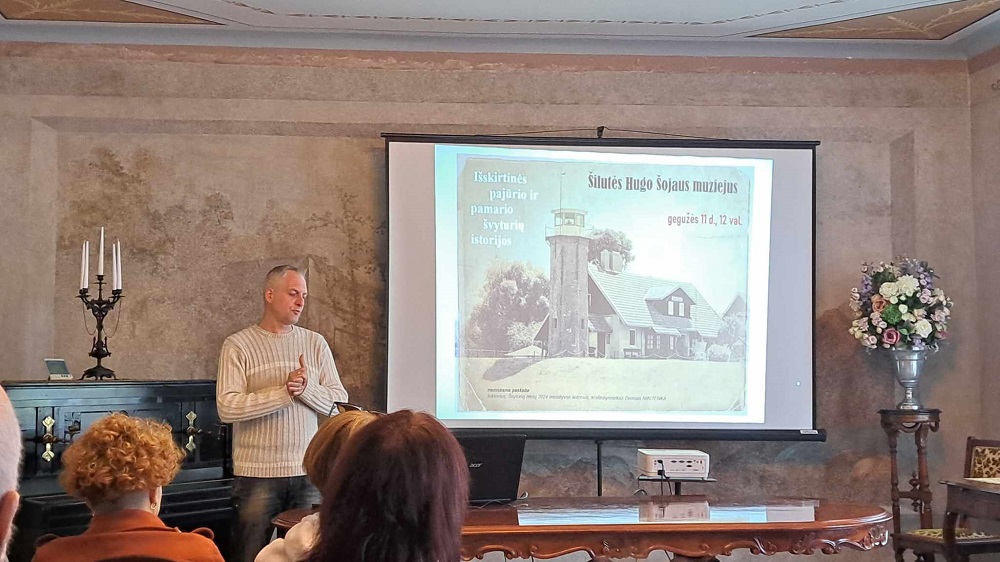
[919, 423]
[923, 485]
[893, 435]
[948, 528]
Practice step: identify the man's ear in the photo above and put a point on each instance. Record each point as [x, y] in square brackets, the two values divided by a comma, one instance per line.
[269, 295]
[8, 507]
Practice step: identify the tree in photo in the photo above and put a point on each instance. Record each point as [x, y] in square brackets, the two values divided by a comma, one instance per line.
[515, 300]
[733, 335]
[612, 241]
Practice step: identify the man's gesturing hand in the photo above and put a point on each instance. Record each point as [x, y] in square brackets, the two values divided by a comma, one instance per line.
[297, 379]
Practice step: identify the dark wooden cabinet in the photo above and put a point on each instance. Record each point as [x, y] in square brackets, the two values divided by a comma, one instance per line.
[52, 414]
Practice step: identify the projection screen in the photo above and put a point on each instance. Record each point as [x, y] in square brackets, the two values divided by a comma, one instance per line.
[569, 287]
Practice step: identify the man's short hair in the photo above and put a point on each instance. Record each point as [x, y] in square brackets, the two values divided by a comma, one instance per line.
[10, 444]
[277, 273]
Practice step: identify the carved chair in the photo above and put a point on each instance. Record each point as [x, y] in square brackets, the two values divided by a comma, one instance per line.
[982, 460]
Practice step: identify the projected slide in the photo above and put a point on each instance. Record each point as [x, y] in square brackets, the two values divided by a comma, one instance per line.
[611, 284]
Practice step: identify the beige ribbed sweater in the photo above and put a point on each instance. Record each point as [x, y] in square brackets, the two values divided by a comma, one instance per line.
[270, 428]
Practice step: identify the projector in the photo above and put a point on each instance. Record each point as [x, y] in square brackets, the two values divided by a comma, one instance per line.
[673, 463]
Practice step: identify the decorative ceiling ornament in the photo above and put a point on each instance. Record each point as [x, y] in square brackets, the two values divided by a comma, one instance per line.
[106, 11]
[927, 23]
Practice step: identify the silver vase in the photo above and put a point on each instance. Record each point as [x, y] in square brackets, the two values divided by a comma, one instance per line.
[909, 366]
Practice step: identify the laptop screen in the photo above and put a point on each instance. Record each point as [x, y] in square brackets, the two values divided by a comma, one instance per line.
[494, 463]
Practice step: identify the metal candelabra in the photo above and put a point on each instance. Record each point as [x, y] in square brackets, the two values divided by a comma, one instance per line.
[100, 307]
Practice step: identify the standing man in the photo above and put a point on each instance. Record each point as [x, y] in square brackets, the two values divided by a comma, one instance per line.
[10, 461]
[275, 379]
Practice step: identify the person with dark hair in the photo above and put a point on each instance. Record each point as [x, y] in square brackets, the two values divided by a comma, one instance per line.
[275, 380]
[400, 491]
[320, 457]
[119, 467]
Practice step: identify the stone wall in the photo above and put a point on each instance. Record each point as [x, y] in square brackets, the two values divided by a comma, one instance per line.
[213, 164]
[985, 109]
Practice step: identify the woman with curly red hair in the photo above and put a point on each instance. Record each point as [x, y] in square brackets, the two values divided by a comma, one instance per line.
[119, 467]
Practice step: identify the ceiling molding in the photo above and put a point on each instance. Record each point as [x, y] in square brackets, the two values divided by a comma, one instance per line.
[495, 62]
[224, 37]
[697, 29]
[980, 37]
[357, 17]
[985, 60]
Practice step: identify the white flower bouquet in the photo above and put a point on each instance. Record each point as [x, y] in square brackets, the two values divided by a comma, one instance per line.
[898, 307]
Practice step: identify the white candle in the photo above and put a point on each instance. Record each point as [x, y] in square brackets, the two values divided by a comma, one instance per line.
[119, 265]
[83, 265]
[100, 251]
[86, 268]
[114, 267]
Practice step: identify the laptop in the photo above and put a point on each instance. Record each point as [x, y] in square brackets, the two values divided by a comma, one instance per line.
[494, 466]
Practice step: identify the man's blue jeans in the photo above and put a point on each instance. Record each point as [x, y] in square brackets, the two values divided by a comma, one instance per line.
[257, 501]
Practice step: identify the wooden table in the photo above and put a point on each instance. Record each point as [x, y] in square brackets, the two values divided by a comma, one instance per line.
[919, 423]
[689, 526]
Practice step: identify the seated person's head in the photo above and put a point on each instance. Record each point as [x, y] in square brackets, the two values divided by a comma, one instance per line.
[10, 459]
[329, 442]
[401, 487]
[121, 462]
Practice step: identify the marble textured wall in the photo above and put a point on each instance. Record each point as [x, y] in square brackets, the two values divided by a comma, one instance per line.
[213, 164]
[985, 109]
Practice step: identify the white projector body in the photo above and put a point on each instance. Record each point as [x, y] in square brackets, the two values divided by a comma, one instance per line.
[673, 463]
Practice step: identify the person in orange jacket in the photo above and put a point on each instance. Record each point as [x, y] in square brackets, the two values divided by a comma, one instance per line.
[119, 467]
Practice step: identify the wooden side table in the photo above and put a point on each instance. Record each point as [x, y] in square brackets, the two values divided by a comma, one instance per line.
[919, 423]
